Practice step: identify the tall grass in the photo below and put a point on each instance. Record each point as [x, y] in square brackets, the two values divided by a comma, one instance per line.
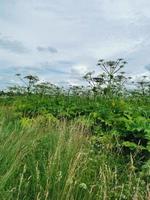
[44, 159]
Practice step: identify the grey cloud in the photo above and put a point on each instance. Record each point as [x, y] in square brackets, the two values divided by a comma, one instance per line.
[14, 46]
[147, 67]
[47, 49]
[66, 62]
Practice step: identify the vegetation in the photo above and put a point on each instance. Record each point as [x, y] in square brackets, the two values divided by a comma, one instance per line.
[79, 143]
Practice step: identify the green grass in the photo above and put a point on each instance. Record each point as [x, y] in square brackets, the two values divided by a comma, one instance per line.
[80, 143]
[45, 158]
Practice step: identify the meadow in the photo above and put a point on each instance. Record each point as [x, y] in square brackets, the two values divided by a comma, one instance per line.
[82, 143]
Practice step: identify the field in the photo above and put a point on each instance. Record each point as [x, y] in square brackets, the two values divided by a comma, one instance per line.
[74, 148]
[81, 143]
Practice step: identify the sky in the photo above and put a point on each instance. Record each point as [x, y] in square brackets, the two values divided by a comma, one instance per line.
[61, 40]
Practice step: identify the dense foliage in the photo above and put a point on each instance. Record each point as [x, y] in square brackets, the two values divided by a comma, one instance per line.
[79, 143]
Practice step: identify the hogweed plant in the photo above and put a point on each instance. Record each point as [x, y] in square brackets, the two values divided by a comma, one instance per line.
[88, 142]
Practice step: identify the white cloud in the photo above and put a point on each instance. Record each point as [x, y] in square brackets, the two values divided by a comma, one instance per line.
[79, 70]
[115, 47]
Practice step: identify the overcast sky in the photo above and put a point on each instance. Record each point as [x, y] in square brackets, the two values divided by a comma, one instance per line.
[60, 40]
